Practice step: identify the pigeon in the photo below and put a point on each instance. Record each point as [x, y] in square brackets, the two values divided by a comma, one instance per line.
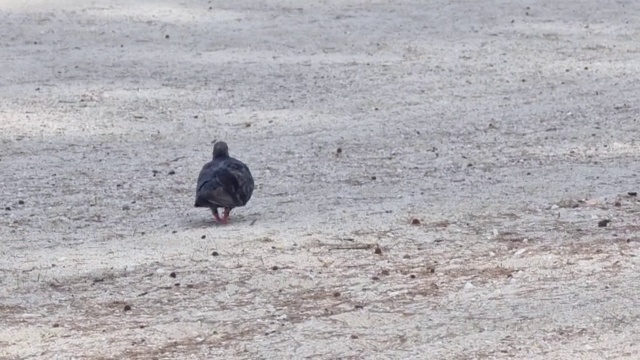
[224, 182]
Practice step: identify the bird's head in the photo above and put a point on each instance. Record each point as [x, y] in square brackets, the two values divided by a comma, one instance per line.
[220, 149]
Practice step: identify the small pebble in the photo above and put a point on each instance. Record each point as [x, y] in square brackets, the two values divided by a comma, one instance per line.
[603, 223]
[336, 294]
[173, 274]
[166, 36]
[412, 276]
[632, 193]
[354, 336]
[617, 203]
[384, 272]
[378, 250]
[274, 268]
[172, 172]
[7, 208]
[215, 253]
[373, 178]
[203, 237]
[20, 202]
[174, 231]
[126, 207]
[415, 222]
[127, 307]
[406, 256]
[56, 325]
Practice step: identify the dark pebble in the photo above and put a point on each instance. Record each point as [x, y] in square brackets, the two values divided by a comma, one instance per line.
[384, 272]
[632, 193]
[21, 202]
[215, 253]
[274, 268]
[375, 278]
[336, 294]
[7, 208]
[617, 203]
[126, 207]
[359, 306]
[354, 336]
[127, 308]
[378, 250]
[172, 172]
[56, 325]
[173, 275]
[339, 151]
[373, 178]
[407, 256]
[412, 276]
[415, 222]
[166, 36]
[603, 223]
[174, 231]
[203, 237]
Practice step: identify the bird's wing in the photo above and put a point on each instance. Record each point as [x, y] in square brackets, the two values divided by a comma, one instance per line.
[220, 188]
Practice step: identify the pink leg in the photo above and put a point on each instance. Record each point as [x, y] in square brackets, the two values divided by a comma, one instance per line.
[225, 216]
[215, 215]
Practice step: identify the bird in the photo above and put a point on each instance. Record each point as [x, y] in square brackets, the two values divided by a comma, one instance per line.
[224, 182]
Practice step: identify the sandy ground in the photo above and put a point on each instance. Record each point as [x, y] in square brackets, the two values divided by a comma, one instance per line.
[507, 129]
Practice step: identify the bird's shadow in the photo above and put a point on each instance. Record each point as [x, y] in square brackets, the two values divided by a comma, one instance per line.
[209, 222]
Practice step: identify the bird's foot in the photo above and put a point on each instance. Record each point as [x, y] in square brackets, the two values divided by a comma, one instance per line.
[216, 216]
